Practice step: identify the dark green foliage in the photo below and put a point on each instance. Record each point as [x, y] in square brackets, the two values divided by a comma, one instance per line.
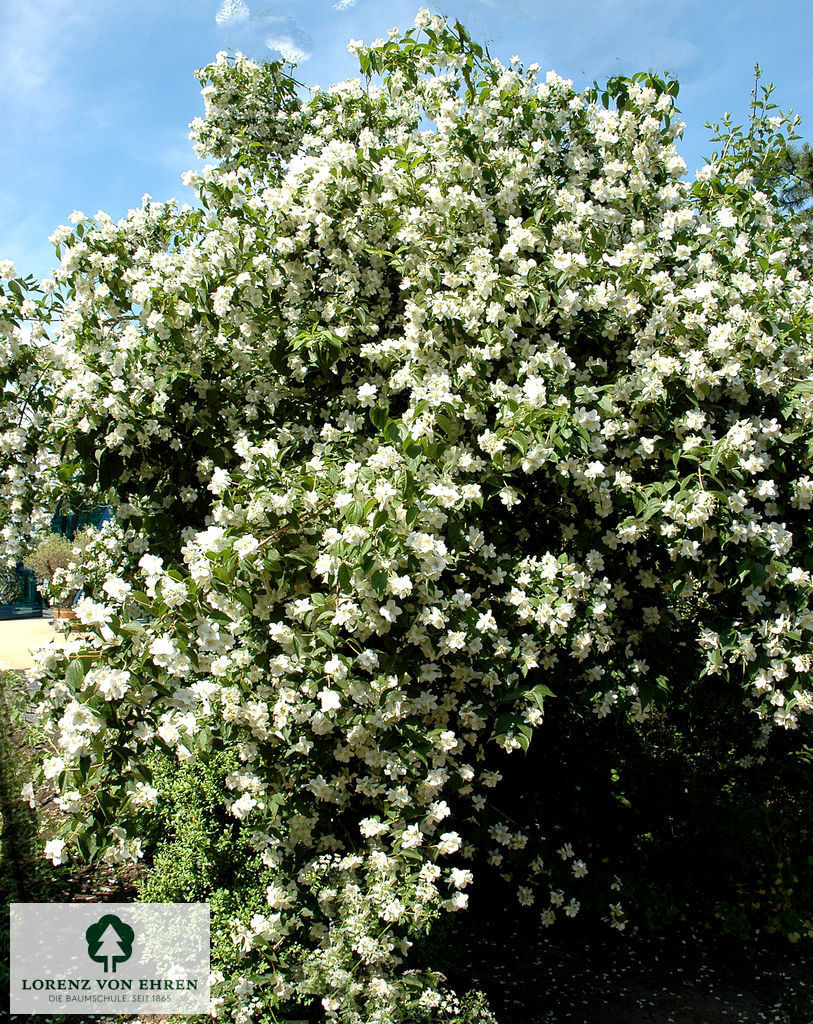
[202, 854]
[694, 829]
[797, 191]
[23, 872]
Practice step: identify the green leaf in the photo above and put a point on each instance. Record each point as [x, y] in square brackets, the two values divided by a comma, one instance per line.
[538, 695]
[68, 470]
[397, 432]
[75, 675]
[379, 582]
[354, 512]
[327, 638]
[378, 416]
[344, 576]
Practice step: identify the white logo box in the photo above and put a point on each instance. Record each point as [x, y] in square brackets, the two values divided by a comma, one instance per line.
[109, 958]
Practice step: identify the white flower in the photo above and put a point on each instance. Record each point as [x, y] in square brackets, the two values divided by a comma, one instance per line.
[534, 390]
[91, 613]
[400, 586]
[113, 684]
[447, 740]
[370, 828]
[117, 589]
[449, 843]
[336, 668]
[278, 898]
[169, 733]
[52, 766]
[79, 718]
[367, 394]
[163, 650]
[243, 987]
[243, 806]
[246, 546]
[486, 623]
[151, 565]
[438, 810]
[55, 851]
[173, 592]
[145, 795]
[525, 896]
[458, 901]
[220, 481]
[460, 878]
[331, 701]
[411, 837]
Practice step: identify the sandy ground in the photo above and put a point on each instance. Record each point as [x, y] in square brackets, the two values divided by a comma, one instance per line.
[19, 637]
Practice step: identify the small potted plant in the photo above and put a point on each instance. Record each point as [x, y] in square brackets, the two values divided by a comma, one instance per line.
[51, 553]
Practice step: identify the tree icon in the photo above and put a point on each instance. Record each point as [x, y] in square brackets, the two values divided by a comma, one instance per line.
[110, 941]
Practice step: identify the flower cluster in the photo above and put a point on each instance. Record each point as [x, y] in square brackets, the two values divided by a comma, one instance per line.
[449, 400]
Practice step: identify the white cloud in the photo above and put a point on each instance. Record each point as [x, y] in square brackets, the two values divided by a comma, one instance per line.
[232, 12]
[287, 49]
[344, 5]
[261, 30]
[37, 47]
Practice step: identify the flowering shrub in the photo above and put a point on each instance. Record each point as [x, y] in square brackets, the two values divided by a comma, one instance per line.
[451, 407]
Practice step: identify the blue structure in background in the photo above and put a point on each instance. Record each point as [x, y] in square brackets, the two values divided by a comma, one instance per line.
[28, 603]
[69, 524]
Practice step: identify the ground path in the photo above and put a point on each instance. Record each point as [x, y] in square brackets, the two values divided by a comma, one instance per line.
[20, 637]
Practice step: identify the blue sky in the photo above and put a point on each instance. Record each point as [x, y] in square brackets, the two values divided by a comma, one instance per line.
[98, 94]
